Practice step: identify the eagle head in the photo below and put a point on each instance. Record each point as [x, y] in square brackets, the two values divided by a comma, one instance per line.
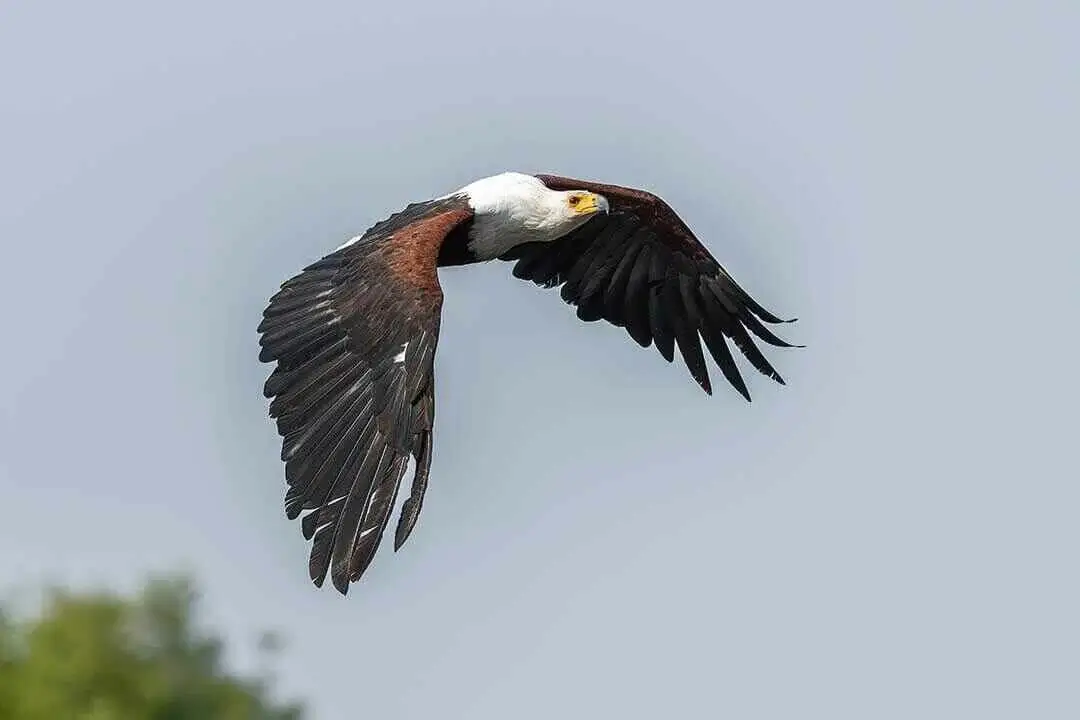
[513, 208]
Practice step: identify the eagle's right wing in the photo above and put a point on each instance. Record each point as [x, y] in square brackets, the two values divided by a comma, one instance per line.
[354, 338]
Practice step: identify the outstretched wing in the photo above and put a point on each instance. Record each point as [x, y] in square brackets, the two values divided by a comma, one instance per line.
[640, 267]
[354, 338]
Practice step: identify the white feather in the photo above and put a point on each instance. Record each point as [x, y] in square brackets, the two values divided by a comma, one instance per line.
[509, 209]
[512, 208]
[348, 242]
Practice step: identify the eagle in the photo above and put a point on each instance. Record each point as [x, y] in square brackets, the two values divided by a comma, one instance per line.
[353, 335]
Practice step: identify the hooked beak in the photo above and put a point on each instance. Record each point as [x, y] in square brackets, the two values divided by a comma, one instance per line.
[591, 204]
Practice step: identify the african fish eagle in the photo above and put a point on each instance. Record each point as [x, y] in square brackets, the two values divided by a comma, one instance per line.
[354, 334]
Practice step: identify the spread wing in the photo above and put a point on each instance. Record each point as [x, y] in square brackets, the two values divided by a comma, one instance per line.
[640, 267]
[354, 338]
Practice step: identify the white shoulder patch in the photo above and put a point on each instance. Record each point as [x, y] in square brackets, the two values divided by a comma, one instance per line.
[348, 242]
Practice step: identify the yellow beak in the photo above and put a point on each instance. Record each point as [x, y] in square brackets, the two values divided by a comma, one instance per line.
[592, 203]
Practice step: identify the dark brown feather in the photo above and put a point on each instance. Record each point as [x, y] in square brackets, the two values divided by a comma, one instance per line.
[350, 409]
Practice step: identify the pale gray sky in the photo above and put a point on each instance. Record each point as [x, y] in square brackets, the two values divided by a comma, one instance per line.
[893, 535]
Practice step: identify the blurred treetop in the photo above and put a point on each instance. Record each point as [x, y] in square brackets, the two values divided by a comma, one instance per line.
[102, 656]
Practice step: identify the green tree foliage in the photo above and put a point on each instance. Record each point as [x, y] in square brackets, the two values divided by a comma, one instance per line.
[102, 656]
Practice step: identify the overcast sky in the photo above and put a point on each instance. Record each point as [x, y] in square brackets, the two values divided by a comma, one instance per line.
[892, 535]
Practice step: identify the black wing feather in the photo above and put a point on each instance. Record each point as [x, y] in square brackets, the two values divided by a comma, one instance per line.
[640, 267]
[636, 302]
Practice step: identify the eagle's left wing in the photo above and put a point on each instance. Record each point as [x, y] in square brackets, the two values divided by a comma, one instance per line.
[640, 267]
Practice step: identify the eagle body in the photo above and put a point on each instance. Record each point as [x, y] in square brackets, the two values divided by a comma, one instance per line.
[354, 334]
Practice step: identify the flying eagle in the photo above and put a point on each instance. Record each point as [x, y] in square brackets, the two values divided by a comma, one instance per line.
[354, 334]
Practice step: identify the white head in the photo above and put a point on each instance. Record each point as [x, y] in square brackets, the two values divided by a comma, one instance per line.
[513, 208]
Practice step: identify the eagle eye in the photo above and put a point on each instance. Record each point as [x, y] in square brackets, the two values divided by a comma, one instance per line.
[575, 199]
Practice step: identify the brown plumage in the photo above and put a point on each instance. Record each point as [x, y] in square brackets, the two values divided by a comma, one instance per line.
[349, 414]
[354, 335]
